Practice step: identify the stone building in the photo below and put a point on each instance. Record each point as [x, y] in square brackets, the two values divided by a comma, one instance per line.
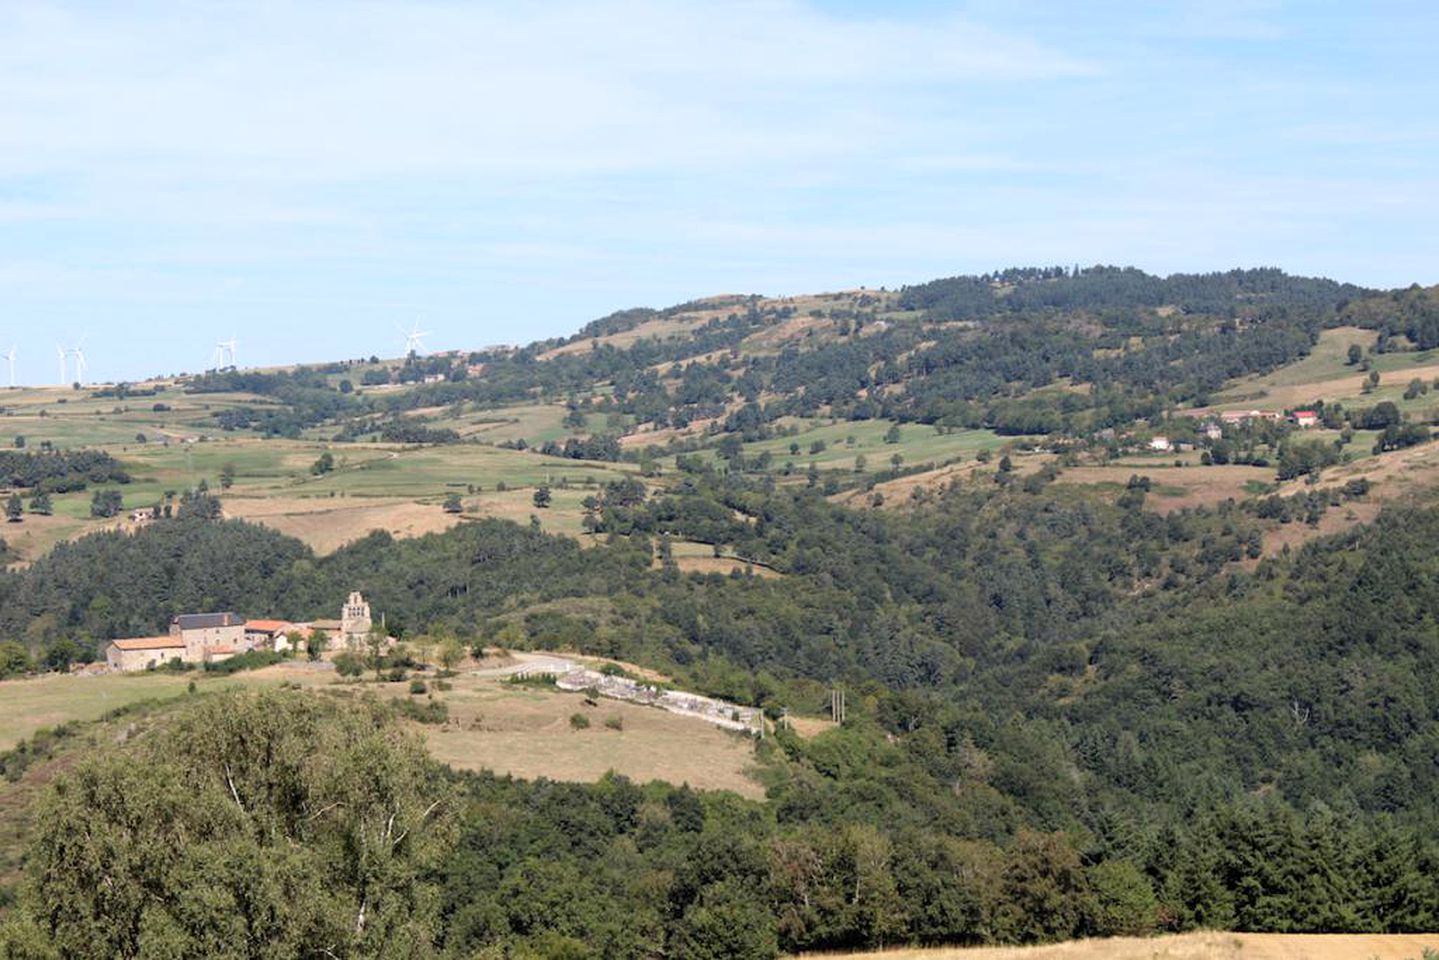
[209, 637]
[143, 653]
[355, 620]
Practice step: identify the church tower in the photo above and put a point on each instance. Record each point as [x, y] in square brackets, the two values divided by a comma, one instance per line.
[355, 619]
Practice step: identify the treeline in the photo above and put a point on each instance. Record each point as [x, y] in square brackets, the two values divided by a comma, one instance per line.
[319, 824]
[1099, 287]
[59, 471]
[616, 870]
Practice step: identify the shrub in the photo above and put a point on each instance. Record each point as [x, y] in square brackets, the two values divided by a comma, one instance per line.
[418, 686]
[348, 664]
[615, 723]
[579, 721]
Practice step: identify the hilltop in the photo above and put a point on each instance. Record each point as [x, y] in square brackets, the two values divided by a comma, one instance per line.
[882, 398]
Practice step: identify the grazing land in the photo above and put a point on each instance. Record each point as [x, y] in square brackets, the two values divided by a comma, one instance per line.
[493, 725]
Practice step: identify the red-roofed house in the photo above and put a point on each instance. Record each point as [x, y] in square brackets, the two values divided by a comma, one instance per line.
[1305, 419]
[268, 635]
[142, 653]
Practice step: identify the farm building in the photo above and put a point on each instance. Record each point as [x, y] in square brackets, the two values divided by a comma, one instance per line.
[268, 634]
[1304, 419]
[209, 636]
[142, 653]
[1160, 444]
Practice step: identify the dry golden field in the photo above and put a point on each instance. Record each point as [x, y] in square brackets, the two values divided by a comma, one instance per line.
[1190, 946]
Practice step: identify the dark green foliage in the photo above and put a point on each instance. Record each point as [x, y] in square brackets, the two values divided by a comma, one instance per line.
[59, 471]
[248, 825]
[106, 503]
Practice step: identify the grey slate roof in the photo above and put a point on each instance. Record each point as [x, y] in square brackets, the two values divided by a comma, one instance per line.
[204, 621]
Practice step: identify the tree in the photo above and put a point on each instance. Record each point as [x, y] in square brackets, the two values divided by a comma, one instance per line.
[1356, 353]
[892, 435]
[450, 652]
[315, 645]
[323, 465]
[375, 642]
[41, 504]
[453, 504]
[106, 503]
[13, 659]
[269, 824]
[227, 476]
[59, 654]
[14, 508]
[542, 496]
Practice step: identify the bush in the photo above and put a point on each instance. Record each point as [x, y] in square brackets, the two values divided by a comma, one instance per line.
[418, 686]
[615, 723]
[579, 721]
[249, 660]
[426, 711]
[349, 664]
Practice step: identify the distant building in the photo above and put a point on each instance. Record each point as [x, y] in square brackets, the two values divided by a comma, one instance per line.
[1244, 416]
[355, 620]
[268, 635]
[1304, 419]
[143, 653]
[1214, 431]
[1160, 444]
[209, 637]
[142, 514]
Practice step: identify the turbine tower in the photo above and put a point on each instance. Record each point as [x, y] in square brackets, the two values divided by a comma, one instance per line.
[414, 338]
[224, 355]
[10, 358]
[81, 366]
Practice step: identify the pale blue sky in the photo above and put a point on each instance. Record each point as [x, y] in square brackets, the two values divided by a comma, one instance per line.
[306, 175]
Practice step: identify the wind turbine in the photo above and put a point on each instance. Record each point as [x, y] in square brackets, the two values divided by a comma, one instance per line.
[81, 366]
[414, 341]
[224, 349]
[10, 357]
[63, 354]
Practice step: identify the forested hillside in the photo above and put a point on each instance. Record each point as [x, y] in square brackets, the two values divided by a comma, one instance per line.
[1084, 698]
[1069, 716]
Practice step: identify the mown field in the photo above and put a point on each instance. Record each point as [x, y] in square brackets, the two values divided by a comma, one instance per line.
[494, 725]
[1189, 946]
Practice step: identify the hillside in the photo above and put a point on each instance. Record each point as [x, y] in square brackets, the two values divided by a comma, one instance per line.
[1096, 684]
[895, 393]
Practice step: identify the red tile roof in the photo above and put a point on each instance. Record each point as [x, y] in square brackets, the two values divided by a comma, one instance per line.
[268, 626]
[149, 643]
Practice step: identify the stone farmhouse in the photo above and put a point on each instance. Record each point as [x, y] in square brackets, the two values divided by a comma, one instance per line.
[199, 638]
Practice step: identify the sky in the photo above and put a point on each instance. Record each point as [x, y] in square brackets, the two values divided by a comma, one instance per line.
[309, 176]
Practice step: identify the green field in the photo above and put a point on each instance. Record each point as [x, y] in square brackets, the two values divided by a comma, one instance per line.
[845, 440]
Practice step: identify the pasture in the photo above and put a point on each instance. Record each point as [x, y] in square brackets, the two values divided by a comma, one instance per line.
[844, 440]
[1326, 375]
[494, 725]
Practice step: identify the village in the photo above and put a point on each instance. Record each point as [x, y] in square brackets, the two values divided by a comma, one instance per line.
[204, 638]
